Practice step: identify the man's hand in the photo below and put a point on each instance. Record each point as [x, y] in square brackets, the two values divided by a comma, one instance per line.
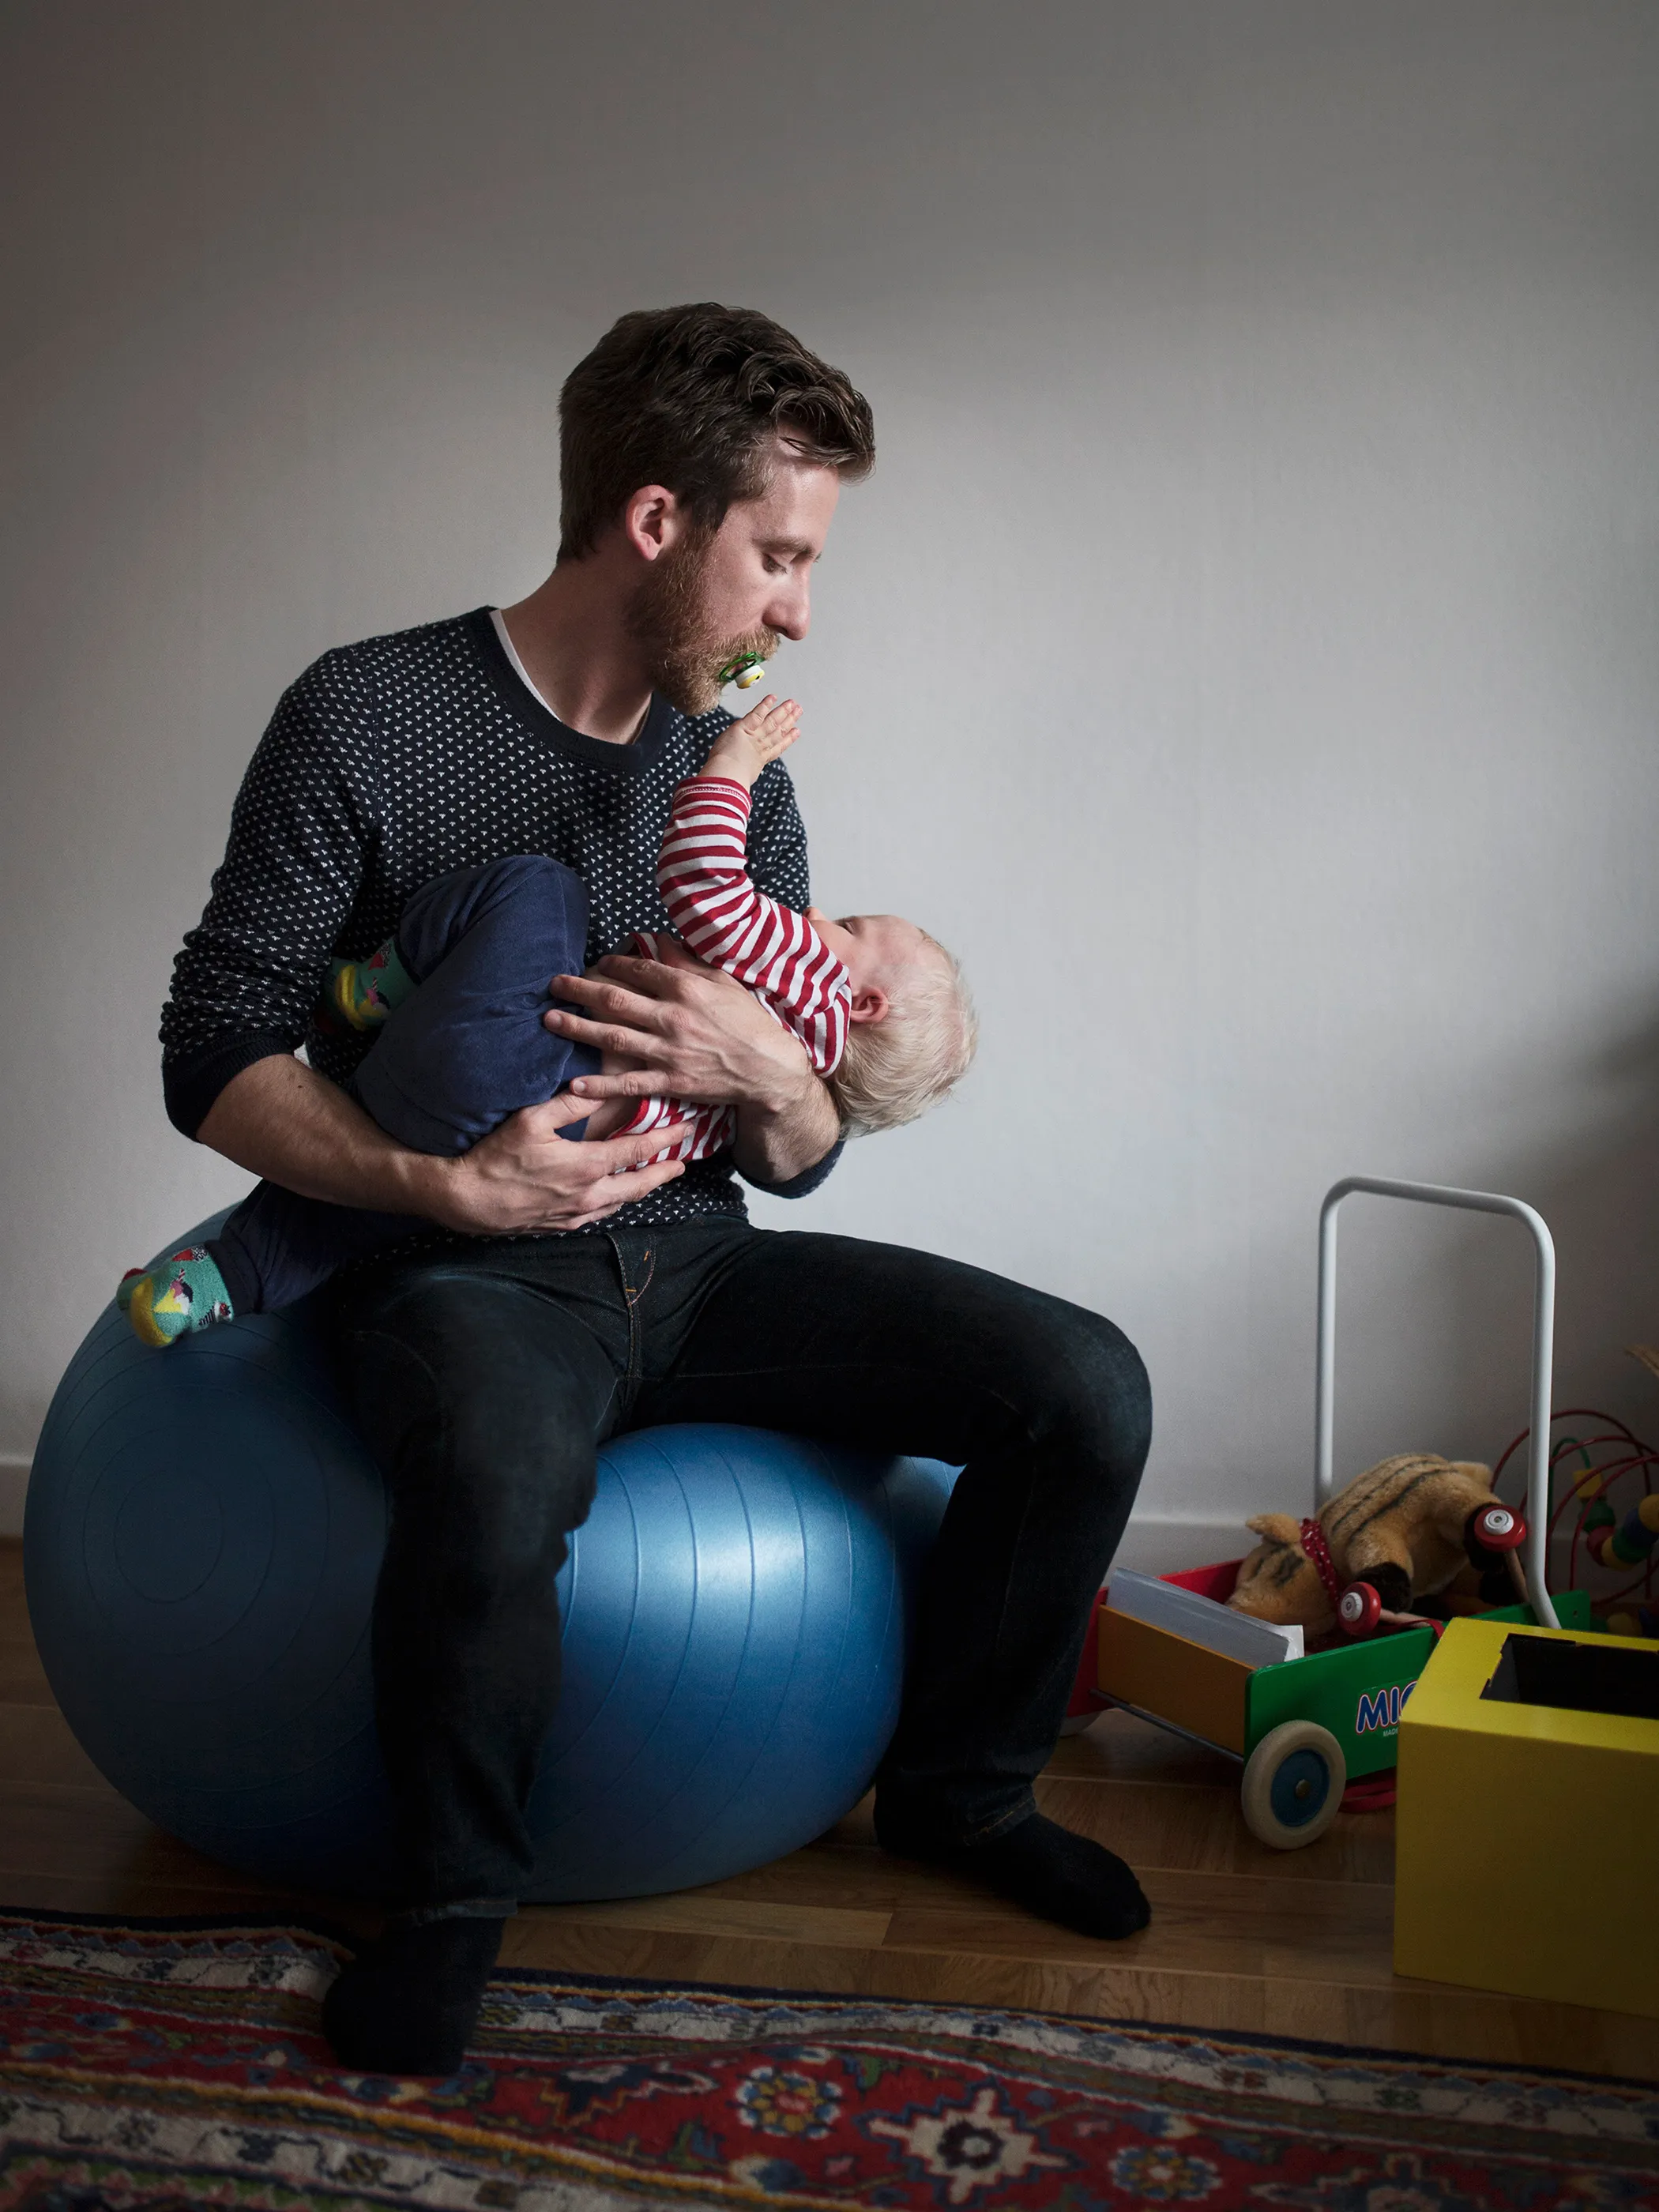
[685, 1032]
[280, 1118]
[688, 1031]
[524, 1176]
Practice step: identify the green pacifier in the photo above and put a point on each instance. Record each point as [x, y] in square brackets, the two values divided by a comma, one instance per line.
[745, 672]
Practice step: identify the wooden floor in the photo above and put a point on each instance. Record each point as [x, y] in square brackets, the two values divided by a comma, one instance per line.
[1294, 1942]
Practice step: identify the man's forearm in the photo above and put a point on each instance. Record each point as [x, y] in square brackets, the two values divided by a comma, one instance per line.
[280, 1120]
[777, 1144]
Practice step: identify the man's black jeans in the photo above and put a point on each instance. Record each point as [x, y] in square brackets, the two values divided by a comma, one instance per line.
[483, 1381]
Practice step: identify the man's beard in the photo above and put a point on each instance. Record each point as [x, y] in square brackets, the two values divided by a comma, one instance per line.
[683, 654]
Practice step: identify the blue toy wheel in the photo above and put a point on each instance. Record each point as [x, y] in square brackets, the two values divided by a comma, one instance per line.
[1293, 1785]
[203, 1538]
[1300, 1787]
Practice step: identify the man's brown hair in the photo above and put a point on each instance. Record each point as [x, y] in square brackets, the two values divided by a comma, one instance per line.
[691, 398]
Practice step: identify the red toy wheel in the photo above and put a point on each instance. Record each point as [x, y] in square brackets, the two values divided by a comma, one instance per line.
[1496, 1529]
[1359, 1610]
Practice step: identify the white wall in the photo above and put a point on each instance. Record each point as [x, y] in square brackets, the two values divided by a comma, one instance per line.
[1244, 654]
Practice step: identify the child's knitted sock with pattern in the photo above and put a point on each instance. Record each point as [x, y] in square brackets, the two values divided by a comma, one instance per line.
[183, 1292]
[363, 993]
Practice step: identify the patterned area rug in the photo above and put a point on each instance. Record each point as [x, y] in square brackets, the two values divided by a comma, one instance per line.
[165, 2065]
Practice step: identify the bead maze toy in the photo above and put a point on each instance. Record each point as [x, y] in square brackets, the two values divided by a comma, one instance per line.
[1312, 1733]
[1612, 1543]
[1599, 1455]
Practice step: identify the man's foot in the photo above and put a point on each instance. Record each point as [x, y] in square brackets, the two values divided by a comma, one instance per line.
[1049, 1870]
[407, 2004]
[183, 1292]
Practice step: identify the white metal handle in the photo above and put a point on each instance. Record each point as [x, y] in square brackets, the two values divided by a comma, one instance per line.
[1543, 1351]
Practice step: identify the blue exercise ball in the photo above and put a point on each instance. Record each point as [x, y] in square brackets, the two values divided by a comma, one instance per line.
[202, 1539]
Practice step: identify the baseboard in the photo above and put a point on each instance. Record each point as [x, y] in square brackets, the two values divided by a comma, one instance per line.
[1160, 1543]
[13, 1481]
[1153, 1543]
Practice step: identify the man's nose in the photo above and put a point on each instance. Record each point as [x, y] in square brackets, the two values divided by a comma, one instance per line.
[790, 611]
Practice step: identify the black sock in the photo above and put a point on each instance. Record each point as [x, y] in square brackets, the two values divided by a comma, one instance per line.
[407, 2004]
[1049, 1870]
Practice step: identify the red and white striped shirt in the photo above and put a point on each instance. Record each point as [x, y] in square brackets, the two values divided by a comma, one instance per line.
[704, 877]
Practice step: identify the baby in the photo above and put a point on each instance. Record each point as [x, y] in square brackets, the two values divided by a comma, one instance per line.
[457, 995]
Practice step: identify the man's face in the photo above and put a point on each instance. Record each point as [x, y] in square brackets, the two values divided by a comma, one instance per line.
[707, 598]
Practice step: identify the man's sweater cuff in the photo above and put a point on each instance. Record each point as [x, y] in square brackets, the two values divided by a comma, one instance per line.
[806, 1181]
[192, 1083]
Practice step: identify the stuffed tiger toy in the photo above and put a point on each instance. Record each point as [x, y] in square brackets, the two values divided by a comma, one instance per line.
[1400, 1526]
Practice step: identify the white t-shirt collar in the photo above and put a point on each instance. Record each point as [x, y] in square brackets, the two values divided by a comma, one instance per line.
[519, 668]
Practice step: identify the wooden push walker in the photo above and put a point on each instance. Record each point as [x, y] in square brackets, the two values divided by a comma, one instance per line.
[1310, 1734]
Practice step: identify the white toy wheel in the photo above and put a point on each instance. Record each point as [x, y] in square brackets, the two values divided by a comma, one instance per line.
[1293, 1785]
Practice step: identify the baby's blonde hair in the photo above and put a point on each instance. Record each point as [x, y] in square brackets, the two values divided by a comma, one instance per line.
[893, 1070]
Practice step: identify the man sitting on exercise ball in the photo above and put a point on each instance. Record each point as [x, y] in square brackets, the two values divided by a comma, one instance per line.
[553, 1294]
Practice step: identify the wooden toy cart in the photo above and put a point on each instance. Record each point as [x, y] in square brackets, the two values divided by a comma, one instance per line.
[1307, 1732]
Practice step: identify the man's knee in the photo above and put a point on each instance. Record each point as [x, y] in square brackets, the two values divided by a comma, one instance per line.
[1094, 1389]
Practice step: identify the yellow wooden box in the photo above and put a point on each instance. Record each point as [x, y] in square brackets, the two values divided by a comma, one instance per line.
[1528, 1836]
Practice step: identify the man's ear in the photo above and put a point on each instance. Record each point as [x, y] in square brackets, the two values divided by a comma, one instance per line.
[653, 520]
[871, 1004]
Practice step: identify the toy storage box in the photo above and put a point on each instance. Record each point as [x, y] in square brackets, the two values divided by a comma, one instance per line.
[1356, 1690]
[1526, 1836]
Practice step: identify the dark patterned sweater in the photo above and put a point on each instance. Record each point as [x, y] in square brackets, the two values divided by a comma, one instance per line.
[392, 762]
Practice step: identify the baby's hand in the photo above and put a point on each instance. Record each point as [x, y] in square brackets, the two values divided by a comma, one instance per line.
[766, 731]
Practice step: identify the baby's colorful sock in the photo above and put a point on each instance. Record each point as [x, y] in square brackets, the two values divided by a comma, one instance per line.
[184, 1292]
[363, 993]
